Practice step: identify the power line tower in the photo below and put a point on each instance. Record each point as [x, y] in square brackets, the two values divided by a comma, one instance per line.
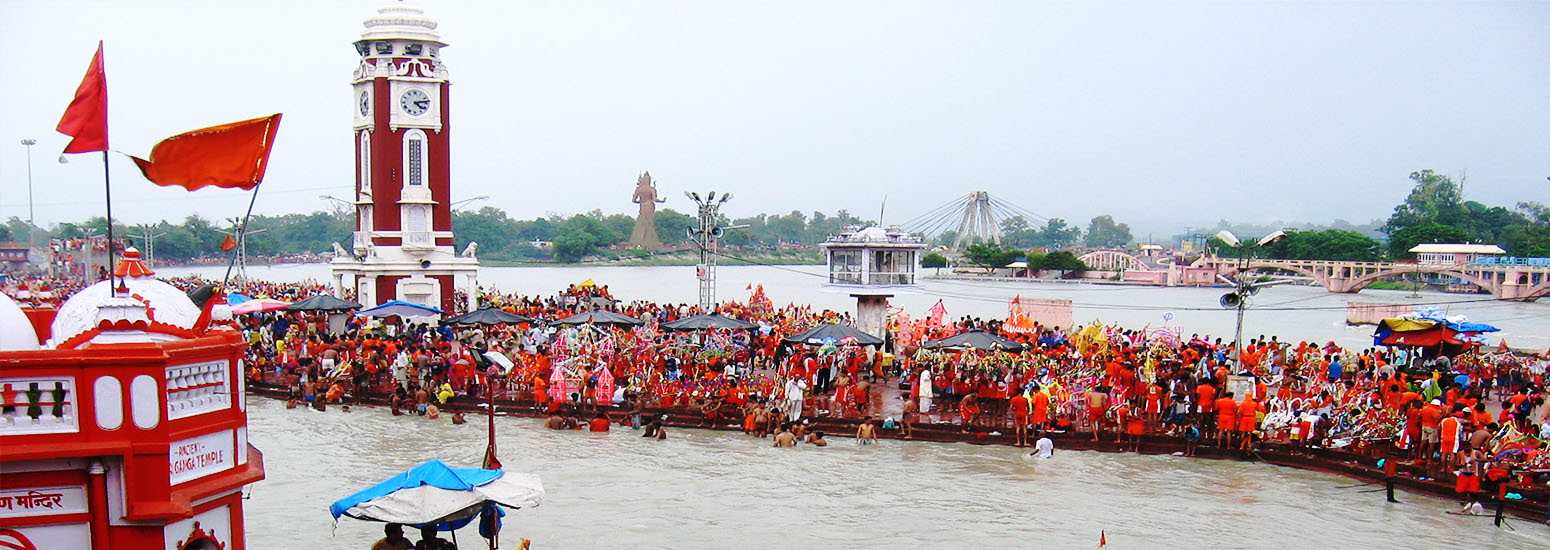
[708, 236]
[979, 221]
[240, 234]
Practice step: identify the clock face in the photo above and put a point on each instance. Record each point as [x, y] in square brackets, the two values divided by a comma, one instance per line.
[365, 103]
[414, 102]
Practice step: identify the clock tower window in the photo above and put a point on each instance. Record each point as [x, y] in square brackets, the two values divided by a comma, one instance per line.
[365, 159]
[414, 157]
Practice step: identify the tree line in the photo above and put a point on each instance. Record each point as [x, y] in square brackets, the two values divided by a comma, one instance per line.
[1434, 211]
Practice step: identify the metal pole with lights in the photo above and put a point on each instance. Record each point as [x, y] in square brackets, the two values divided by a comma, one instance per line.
[31, 222]
[707, 236]
[1243, 286]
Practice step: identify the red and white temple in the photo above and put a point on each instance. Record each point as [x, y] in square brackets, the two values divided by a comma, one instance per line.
[123, 423]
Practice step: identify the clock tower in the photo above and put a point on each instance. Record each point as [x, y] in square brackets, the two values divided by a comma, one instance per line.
[402, 247]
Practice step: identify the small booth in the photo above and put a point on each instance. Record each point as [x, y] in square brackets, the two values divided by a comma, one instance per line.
[872, 264]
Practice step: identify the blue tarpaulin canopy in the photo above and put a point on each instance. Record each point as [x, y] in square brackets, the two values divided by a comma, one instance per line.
[434, 494]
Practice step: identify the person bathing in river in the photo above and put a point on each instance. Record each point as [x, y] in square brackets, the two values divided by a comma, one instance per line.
[816, 438]
[866, 433]
[784, 437]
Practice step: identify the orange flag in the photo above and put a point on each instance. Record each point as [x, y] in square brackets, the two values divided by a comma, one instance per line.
[228, 243]
[86, 119]
[230, 156]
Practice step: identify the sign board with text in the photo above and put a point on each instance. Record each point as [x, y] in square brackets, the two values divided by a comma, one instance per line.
[197, 457]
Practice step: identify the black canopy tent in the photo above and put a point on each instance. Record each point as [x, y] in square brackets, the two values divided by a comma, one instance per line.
[600, 317]
[827, 331]
[323, 302]
[489, 316]
[980, 340]
[709, 321]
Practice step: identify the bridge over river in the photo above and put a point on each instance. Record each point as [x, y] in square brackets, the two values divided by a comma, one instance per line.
[1506, 280]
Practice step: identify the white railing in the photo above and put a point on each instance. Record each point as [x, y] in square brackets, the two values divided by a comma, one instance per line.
[419, 239]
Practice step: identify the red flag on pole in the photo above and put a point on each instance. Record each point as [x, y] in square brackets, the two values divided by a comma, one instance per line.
[86, 119]
[228, 243]
[230, 156]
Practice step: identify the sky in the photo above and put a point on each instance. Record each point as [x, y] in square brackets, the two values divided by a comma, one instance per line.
[1162, 114]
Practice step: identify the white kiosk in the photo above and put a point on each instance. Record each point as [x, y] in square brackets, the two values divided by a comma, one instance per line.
[872, 264]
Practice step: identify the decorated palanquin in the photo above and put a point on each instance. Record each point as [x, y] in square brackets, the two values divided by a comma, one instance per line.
[122, 421]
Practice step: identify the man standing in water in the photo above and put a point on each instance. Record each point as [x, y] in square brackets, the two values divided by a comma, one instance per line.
[1044, 447]
[784, 437]
[866, 434]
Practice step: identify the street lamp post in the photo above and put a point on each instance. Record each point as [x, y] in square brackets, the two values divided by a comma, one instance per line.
[1244, 286]
[29, 142]
[459, 204]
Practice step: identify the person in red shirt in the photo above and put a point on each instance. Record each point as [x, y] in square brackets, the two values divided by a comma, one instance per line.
[599, 424]
[1431, 416]
[1205, 395]
[1040, 414]
[1226, 419]
[1019, 406]
[1248, 421]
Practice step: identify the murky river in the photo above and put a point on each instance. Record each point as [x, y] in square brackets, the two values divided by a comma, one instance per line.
[703, 489]
[1291, 312]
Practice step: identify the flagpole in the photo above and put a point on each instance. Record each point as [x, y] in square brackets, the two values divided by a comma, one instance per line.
[242, 235]
[107, 186]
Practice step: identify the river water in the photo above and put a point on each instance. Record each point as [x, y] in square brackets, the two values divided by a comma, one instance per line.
[704, 489]
[1290, 312]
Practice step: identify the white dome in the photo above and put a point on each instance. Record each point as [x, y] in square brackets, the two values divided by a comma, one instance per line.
[400, 21]
[16, 332]
[166, 305]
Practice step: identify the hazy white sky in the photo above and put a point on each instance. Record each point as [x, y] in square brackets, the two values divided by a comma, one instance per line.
[1153, 112]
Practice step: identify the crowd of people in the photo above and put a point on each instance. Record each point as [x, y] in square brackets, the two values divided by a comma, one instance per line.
[1471, 417]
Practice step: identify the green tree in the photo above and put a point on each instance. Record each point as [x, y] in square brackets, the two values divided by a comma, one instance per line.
[990, 255]
[1434, 198]
[1405, 238]
[1329, 244]
[671, 224]
[5, 233]
[1057, 234]
[1061, 260]
[572, 247]
[1104, 232]
[933, 260]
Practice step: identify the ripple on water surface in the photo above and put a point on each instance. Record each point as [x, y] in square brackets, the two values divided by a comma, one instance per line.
[702, 489]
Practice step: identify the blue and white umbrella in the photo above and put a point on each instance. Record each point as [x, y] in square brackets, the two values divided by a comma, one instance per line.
[399, 308]
[434, 494]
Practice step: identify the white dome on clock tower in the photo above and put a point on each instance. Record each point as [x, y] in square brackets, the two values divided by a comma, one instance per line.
[402, 22]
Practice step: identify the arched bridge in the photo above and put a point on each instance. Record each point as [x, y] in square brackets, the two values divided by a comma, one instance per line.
[1112, 260]
[1504, 281]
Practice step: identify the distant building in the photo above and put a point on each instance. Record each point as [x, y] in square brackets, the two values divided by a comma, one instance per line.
[541, 244]
[13, 255]
[1454, 254]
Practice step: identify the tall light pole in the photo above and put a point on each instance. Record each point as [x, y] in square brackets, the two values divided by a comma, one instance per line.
[707, 236]
[1243, 285]
[29, 142]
